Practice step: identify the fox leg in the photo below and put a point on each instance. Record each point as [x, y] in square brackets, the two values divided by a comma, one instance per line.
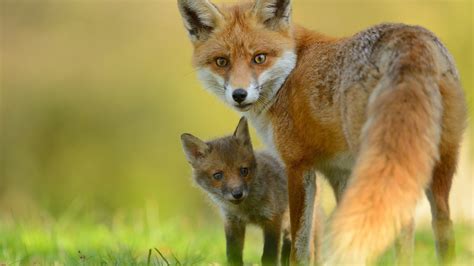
[438, 196]
[235, 237]
[438, 191]
[319, 219]
[337, 179]
[302, 190]
[405, 245]
[285, 249]
[271, 239]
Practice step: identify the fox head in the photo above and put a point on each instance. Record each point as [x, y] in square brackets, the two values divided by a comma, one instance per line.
[243, 53]
[224, 167]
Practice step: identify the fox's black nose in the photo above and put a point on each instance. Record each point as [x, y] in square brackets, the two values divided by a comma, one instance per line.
[239, 95]
[237, 193]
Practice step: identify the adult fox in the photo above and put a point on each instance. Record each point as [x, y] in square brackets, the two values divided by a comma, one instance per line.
[380, 114]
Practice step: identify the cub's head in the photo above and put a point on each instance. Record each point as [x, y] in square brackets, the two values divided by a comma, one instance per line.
[224, 167]
[243, 52]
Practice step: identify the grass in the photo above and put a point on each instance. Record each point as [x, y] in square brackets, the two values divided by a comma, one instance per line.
[82, 237]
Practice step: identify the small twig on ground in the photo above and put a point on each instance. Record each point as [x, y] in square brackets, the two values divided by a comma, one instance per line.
[149, 257]
[176, 259]
[163, 257]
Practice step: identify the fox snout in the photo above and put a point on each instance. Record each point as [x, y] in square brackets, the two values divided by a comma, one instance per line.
[242, 97]
[236, 194]
[239, 95]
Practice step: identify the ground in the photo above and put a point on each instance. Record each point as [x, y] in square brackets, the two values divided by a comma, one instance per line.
[138, 238]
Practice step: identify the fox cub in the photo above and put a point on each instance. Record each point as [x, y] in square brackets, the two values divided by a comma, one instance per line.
[249, 187]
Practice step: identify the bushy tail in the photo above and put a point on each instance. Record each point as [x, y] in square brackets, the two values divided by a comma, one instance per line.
[398, 150]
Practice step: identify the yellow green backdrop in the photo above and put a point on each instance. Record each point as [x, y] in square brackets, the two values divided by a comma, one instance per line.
[94, 96]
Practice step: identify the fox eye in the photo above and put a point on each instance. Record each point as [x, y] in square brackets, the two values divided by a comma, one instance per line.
[218, 176]
[244, 171]
[221, 62]
[260, 59]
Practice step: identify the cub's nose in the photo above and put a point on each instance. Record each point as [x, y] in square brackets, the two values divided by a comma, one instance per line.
[239, 95]
[237, 193]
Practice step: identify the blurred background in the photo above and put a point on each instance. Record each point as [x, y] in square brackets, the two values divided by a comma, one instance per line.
[95, 93]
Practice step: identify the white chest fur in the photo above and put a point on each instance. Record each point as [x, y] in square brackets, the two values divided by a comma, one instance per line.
[265, 131]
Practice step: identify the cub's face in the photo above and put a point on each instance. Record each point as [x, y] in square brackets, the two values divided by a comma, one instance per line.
[225, 167]
[242, 53]
[227, 171]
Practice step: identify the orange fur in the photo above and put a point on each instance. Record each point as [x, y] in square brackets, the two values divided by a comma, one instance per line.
[381, 111]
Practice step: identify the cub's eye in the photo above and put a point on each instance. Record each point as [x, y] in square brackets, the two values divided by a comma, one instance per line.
[244, 171]
[221, 62]
[218, 175]
[260, 59]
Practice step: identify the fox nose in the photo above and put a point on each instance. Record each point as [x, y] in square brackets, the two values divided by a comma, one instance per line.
[237, 193]
[239, 95]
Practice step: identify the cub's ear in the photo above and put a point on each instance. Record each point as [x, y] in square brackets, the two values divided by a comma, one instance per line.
[275, 14]
[200, 18]
[194, 148]
[242, 132]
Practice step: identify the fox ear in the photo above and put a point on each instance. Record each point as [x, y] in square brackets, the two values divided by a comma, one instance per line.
[200, 17]
[275, 14]
[242, 132]
[194, 148]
